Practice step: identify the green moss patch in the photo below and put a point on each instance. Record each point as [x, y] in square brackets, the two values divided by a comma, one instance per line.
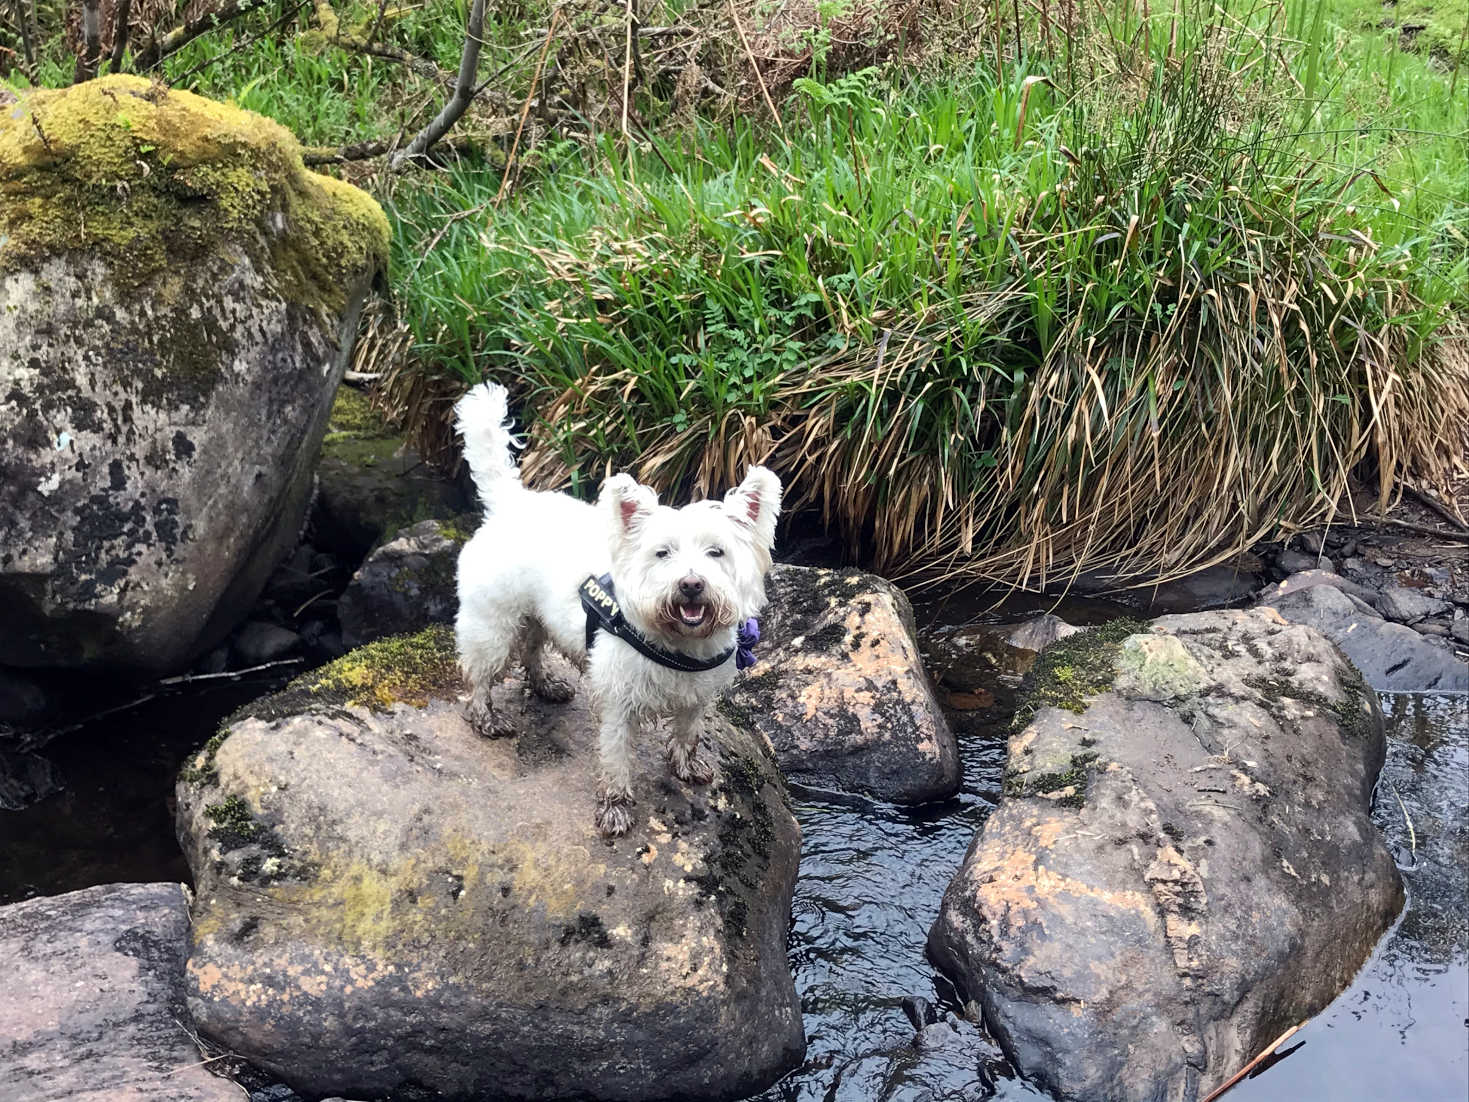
[146, 177]
[1072, 670]
[406, 669]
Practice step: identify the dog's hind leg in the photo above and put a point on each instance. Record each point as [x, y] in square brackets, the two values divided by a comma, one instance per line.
[614, 806]
[484, 652]
[533, 657]
[686, 758]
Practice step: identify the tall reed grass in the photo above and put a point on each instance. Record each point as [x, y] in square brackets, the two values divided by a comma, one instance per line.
[1122, 307]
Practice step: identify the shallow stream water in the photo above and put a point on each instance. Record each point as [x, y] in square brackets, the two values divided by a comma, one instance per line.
[871, 878]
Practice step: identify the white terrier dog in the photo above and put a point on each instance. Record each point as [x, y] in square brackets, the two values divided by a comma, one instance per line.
[662, 644]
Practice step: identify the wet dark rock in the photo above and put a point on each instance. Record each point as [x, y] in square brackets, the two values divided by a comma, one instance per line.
[840, 691]
[1182, 865]
[405, 585]
[370, 483]
[94, 1000]
[1392, 657]
[1407, 605]
[162, 402]
[1308, 578]
[1215, 587]
[23, 698]
[1459, 627]
[387, 902]
[258, 642]
[25, 778]
[1312, 542]
[1292, 562]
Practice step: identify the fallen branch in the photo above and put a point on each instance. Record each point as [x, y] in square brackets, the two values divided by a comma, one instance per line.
[1437, 506]
[365, 151]
[463, 91]
[120, 28]
[1423, 529]
[1256, 1062]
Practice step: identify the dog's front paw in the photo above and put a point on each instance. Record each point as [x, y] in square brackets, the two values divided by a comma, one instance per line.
[487, 722]
[690, 766]
[614, 814]
[556, 690]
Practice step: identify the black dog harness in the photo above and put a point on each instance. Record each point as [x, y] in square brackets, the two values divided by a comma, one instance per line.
[599, 598]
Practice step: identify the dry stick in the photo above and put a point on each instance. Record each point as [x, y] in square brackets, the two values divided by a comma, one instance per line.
[530, 93]
[1264, 1054]
[463, 91]
[1437, 506]
[1422, 529]
[627, 71]
[755, 68]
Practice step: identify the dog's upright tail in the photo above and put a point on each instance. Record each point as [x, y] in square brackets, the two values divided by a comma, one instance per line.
[482, 420]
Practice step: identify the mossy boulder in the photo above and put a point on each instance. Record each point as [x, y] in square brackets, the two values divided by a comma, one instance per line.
[388, 903]
[1183, 864]
[840, 691]
[178, 301]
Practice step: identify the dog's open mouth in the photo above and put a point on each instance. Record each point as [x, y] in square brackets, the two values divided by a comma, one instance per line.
[692, 616]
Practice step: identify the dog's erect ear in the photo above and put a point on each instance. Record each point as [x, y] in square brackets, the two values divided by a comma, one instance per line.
[755, 504]
[630, 503]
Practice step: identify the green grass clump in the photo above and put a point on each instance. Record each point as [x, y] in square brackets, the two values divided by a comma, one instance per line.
[1126, 310]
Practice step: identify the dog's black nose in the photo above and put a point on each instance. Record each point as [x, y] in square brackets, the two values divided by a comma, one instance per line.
[691, 586]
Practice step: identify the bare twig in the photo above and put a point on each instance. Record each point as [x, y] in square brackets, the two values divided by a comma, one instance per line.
[1423, 529]
[525, 109]
[1437, 506]
[463, 91]
[1264, 1055]
[231, 675]
[755, 67]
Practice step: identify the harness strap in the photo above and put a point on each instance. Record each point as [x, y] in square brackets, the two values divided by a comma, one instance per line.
[599, 598]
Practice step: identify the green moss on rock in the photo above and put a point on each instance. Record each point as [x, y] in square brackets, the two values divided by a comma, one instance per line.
[145, 177]
[402, 669]
[1071, 670]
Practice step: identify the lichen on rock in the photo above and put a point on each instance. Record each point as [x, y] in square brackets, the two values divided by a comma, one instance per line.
[144, 175]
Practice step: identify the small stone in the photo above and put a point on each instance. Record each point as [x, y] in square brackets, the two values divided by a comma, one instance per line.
[1039, 632]
[1459, 628]
[1407, 605]
[259, 642]
[1383, 561]
[1354, 566]
[1294, 561]
[216, 661]
[1311, 541]
[1433, 628]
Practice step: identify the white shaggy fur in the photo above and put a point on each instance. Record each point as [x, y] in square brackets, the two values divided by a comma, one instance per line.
[686, 578]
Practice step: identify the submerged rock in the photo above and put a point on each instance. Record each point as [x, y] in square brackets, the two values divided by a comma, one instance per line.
[1183, 864]
[1392, 657]
[840, 691]
[178, 300]
[386, 901]
[405, 585]
[94, 1002]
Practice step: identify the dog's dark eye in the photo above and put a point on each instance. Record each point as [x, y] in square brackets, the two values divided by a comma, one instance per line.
[662, 552]
[716, 552]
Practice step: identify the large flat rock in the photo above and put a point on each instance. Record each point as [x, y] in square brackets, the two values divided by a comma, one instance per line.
[93, 1004]
[388, 902]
